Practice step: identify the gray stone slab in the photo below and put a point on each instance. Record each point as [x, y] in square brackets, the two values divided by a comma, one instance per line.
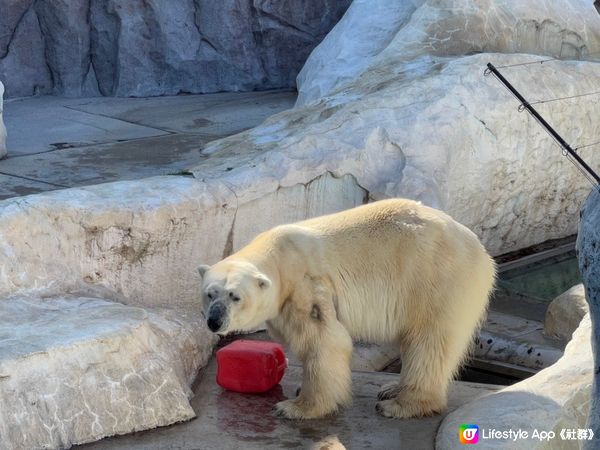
[212, 114]
[41, 124]
[588, 254]
[227, 420]
[11, 186]
[109, 162]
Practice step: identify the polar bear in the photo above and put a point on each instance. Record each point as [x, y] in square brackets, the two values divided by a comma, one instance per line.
[389, 271]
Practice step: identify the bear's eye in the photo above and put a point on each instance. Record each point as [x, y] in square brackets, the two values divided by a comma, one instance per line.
[234, 297]
[210, 296]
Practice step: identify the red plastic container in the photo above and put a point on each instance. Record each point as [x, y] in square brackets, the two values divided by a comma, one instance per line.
[250, 366]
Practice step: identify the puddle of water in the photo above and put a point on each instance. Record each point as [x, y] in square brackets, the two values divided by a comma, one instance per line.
[544, 279]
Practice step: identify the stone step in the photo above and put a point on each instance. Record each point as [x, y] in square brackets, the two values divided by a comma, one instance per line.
[76, 369]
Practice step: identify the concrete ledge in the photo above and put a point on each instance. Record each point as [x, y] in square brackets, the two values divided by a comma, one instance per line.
[144, 239]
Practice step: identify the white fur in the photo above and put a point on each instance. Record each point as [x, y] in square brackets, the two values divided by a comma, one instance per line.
[390, 271]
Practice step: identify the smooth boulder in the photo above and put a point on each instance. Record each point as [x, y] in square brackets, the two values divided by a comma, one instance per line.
[74, 370]
[555, 398]
[379, 35]
[565, 313]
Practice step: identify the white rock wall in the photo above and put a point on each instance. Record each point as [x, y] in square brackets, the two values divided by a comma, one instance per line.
[404, 67]
[351, 45]
[138, 239]
[143, 240]
[435, 130]
[378, 35]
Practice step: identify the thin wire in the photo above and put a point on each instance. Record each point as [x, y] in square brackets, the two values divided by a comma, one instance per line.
[565, 153]
[583, 172]
[587, 145]
[568, 156]
[542, 61]
[563, 98]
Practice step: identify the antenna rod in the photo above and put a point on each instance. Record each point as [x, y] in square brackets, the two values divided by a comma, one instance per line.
[525, 104]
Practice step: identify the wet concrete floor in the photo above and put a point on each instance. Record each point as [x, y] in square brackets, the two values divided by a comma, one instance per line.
[228, 420]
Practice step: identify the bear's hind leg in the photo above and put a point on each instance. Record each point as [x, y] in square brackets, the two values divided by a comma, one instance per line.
[424, 379]
[436, 343]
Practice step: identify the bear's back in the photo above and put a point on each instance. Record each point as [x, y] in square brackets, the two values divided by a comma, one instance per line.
[397, 214]
[401, 257]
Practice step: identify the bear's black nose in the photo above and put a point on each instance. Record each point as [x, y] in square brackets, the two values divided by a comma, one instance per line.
[216, 313]
[214, 324]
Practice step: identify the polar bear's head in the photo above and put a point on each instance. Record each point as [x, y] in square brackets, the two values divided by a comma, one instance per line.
[237, 296]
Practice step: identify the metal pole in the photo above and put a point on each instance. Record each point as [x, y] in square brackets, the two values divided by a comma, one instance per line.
[543, 123]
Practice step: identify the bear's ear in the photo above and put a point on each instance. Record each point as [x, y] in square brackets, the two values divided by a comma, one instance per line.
[263, 281]
[202, 269]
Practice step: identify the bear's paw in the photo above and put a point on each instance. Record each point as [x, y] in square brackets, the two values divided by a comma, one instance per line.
[389, 390]
[295, 409]
[407, 404]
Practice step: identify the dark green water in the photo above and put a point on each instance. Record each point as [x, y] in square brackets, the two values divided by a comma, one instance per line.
[545, 279]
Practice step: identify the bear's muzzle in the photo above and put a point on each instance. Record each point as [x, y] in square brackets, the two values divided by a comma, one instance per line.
[216, 316]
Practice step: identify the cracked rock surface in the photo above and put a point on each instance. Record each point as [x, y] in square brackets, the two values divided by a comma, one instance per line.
[92, 47]
[76, 369]
[143, 240]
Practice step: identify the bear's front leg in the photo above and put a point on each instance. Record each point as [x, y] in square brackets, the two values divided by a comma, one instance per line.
[308, 323]
[326, 383]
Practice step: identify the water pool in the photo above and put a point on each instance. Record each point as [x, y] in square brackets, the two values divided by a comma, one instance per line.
[544, 279]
